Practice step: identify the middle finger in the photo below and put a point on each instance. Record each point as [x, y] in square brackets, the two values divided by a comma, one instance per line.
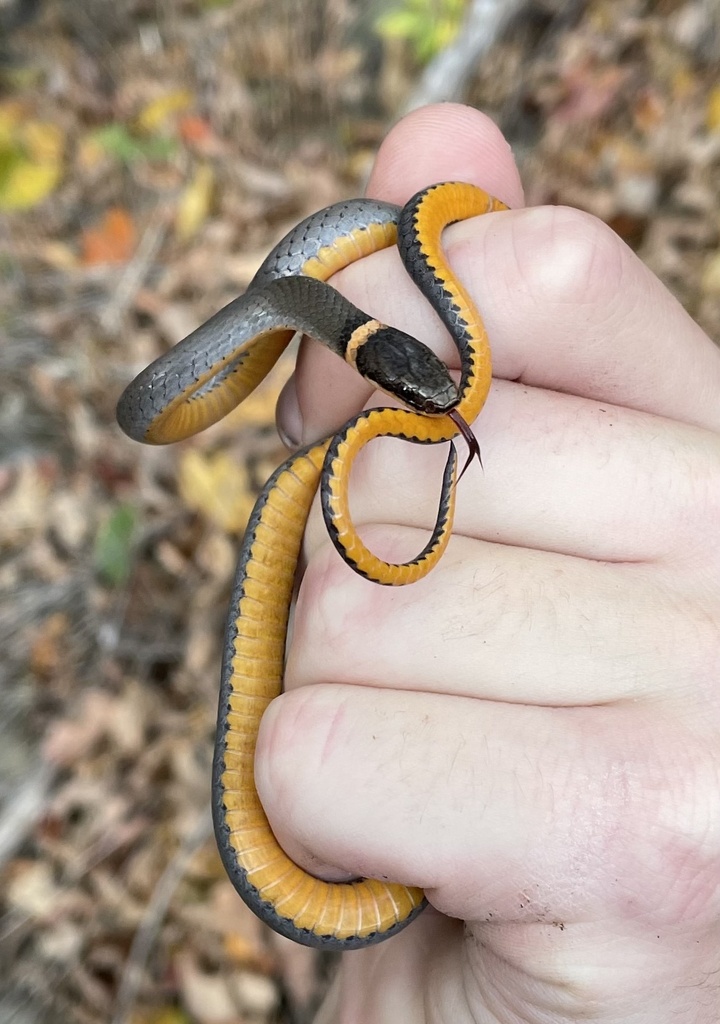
[562, 474]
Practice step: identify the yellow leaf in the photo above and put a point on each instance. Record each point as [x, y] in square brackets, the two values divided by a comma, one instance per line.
[27, 185]
[30, 159]
[159, 111]
[712, 116]
[710, 280]
[195, 202]
[217, 487]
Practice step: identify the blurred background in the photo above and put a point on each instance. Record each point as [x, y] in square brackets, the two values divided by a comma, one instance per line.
[151, 152]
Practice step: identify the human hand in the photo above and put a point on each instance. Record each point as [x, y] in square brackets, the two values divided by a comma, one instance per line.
[531, 733]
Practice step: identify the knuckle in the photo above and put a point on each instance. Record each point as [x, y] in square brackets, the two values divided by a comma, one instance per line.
[567, 256]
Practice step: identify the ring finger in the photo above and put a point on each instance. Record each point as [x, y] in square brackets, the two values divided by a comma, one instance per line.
[502, 623]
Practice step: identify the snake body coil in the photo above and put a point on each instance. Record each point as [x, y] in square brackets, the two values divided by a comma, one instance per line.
[208, 374]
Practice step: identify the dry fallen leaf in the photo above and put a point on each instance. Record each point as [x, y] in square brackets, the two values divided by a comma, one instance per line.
[99, 715]
[48, 648]
[58, 255]
[32, 889]
[206, 996]
[25, 503]
[217, 487]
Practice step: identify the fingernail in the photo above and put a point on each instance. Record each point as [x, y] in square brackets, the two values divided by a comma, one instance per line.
[288, 416]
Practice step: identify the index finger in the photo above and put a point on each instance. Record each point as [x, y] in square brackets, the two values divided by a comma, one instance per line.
[447, 141]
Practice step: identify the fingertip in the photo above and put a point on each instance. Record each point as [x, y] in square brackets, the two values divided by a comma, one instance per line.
[445, 141]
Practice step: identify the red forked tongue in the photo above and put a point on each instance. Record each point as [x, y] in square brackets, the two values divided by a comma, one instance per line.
[470, 439]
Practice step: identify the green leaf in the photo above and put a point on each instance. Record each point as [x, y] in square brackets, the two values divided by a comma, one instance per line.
[116, 140]
[113, 543]
[427, 25]
[397, 24]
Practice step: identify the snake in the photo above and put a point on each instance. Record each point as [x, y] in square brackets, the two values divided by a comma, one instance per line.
[208, 374]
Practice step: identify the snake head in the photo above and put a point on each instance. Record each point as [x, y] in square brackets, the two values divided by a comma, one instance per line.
[403, 367]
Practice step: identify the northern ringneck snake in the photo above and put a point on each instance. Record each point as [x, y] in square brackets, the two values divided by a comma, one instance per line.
[208, 374]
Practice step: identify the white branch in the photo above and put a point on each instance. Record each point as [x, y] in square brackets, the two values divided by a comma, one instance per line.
[446, 75]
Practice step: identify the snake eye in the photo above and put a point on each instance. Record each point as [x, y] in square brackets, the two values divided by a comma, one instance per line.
[442, 404]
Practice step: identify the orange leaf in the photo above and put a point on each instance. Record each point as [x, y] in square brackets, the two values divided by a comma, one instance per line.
[47, 648]
[194, 129]
[112, 240]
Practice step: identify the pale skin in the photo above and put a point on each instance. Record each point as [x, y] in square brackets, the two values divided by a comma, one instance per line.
[532, 733]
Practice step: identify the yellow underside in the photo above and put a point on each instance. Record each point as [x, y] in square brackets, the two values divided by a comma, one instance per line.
[384, 423]
[337, 910]
[340, 910]
[189, 413]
